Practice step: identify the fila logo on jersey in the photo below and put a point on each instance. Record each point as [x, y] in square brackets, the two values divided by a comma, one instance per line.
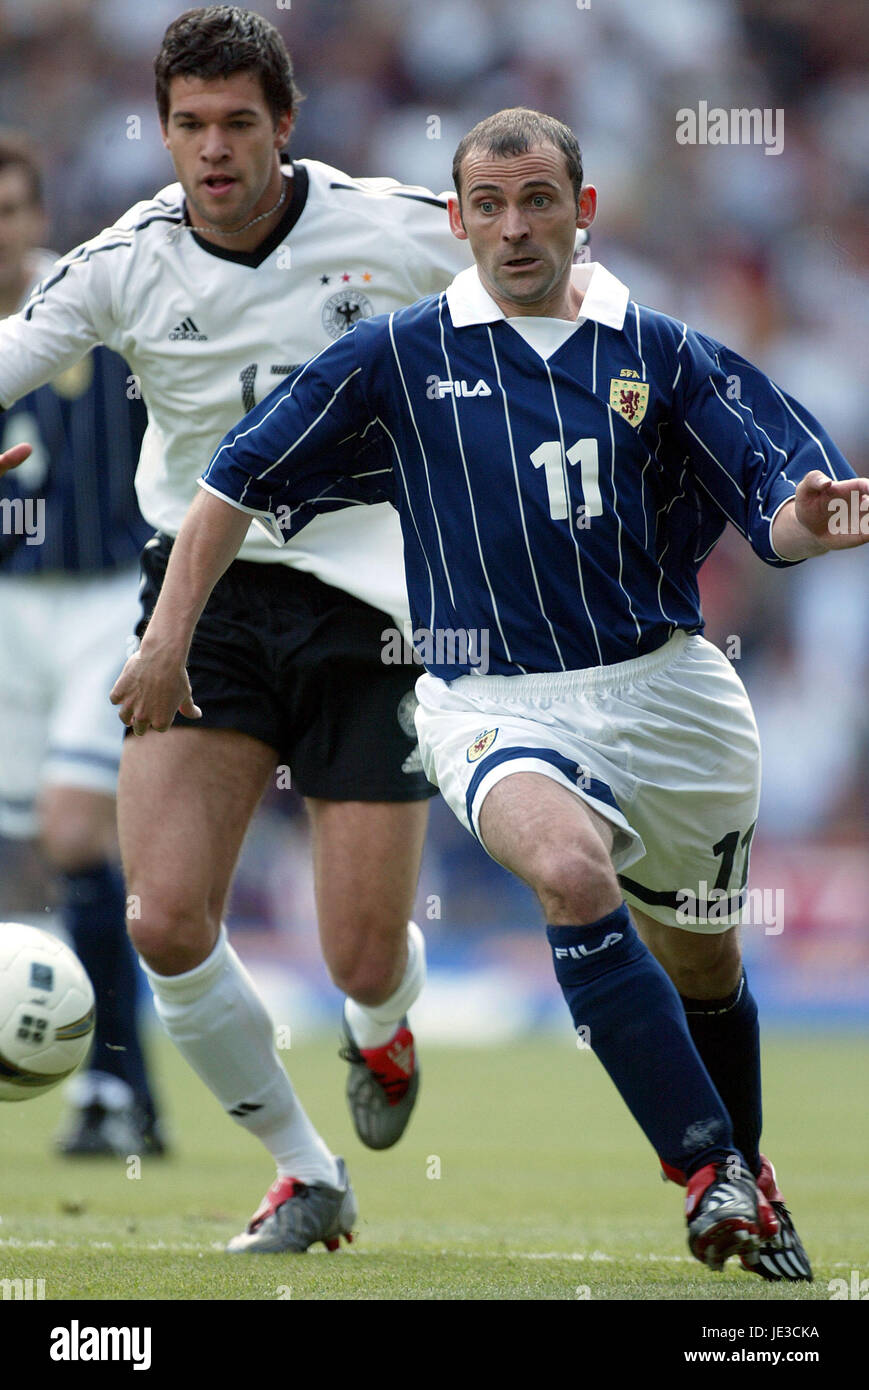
[436, 389]
[576, 952]
[187, 331]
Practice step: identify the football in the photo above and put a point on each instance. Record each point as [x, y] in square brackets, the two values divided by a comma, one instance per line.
[46, 1011]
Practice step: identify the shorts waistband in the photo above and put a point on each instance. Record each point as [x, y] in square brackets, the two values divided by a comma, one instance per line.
[560, 684]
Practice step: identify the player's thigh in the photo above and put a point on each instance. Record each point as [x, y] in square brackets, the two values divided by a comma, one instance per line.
[185, 799]
[553, 841]
[476, 734]
[78, 826]
[529, 823]
[702, 965]
[352, 747]
[366, 860]
[366, 865]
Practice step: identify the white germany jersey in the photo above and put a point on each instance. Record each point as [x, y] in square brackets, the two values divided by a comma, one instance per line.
[209, 332]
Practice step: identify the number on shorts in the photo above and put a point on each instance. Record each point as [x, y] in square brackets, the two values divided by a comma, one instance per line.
[727, 847]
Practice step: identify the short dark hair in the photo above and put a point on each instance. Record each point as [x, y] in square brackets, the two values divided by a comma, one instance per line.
[516, 131]
[17, 152]
[219, 41]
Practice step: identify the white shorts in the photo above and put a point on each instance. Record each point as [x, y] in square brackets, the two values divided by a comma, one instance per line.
[63, 641]
[665, 747]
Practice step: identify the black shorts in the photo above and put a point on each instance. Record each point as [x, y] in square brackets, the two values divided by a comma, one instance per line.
[295, 663]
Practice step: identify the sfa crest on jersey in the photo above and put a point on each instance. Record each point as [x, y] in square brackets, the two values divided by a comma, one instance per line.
[629, 398]
[481, 744]
[343, 309]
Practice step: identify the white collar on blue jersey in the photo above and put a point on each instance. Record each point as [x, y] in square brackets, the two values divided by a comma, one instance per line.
[605, 298]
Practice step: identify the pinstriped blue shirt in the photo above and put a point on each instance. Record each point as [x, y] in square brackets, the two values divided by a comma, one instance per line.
[86, 429]
[564, 503]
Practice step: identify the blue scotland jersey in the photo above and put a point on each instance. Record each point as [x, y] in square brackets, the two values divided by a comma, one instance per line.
[86, 433]
[562, 503]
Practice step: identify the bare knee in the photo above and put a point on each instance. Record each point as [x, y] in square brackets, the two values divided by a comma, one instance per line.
[714, 974]
[555, 843]
[77, 829]
[575, 883]
[170, 934]
[701, 966]
[366, 959]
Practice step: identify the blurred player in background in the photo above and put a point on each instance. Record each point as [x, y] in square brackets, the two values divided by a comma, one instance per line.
[561, 502]
[71, 535]
[213, 290]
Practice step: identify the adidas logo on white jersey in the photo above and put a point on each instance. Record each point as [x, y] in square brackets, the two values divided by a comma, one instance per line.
[436, 390]
[187, 331]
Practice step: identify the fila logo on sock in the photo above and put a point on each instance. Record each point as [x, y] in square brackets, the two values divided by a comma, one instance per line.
[577, 952]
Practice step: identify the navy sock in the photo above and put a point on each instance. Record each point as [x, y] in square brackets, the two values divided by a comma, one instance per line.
[726, 1034]
[95, 916]
[636, 1025]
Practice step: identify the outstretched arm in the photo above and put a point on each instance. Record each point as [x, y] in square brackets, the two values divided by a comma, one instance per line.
[153, 684]
[824, 515]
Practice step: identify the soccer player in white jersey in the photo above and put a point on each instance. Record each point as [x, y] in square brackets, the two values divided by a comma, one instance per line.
[212, 290]
[562, 460]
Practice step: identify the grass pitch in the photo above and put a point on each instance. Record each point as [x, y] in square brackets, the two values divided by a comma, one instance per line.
[521, 1177]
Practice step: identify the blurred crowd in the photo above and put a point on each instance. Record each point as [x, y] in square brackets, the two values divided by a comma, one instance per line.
[769, 252]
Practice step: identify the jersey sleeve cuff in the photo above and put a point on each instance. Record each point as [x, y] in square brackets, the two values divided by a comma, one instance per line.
[774, 557]
[265, 520]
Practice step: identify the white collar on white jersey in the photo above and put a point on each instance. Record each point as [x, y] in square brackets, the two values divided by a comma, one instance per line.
[605, 298]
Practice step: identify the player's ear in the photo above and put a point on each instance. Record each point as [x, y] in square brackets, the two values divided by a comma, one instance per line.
[587, 206]
[164, 135]
[457, 226]
[282, 129]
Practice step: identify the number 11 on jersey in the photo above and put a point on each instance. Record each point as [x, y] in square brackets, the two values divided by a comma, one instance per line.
[550, 458]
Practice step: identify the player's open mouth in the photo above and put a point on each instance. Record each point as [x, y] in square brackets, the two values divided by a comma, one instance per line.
[522, 262]
[219, 183]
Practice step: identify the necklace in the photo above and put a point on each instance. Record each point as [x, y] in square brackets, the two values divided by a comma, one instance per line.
[206, 227]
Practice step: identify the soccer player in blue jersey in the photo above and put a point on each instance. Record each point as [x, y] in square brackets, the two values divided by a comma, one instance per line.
[68, 599]
[562, 460]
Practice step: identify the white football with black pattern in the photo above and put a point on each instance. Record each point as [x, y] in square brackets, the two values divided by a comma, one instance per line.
[46, 1011]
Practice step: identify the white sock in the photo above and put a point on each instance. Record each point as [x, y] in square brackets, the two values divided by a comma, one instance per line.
[218, 1022]
[374, 1026]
